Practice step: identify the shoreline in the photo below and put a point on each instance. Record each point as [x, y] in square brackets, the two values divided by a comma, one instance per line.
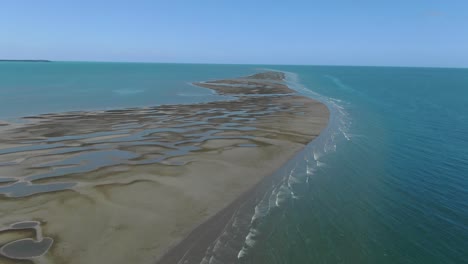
[198, 246]
[169, 169]
[202, 239]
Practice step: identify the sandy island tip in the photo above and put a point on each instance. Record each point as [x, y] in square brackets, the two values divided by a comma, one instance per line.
[141, 185]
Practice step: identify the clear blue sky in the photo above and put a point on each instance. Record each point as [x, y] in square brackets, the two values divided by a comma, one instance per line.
[346, 32]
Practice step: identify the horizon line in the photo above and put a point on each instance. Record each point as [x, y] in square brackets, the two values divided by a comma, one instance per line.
[218, 63]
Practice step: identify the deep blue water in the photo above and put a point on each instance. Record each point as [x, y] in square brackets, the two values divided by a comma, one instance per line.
[387, 182]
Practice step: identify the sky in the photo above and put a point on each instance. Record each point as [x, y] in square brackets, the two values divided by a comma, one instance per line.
[430, 33]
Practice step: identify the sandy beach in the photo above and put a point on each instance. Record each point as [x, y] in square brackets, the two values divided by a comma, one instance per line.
[136, 185]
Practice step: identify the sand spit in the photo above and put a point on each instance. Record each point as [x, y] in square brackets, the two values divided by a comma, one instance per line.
[125, 186]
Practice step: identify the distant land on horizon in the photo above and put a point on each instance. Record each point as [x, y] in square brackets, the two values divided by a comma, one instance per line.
[25, 60]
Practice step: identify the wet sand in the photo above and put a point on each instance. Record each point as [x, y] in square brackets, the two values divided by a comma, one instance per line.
[127, 186]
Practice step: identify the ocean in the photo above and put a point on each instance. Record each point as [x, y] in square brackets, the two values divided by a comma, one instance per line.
[389, 183]
[386, 182]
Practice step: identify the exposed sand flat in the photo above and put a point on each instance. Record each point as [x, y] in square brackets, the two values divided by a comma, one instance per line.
[125, 186]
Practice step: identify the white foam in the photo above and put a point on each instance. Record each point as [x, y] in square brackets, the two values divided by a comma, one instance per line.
[310, 170]
[301, 171]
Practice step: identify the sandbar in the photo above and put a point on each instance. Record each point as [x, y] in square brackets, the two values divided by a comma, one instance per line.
[133, 185]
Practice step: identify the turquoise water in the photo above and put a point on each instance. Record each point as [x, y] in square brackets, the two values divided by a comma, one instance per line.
[385, 183]
[33, 88]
